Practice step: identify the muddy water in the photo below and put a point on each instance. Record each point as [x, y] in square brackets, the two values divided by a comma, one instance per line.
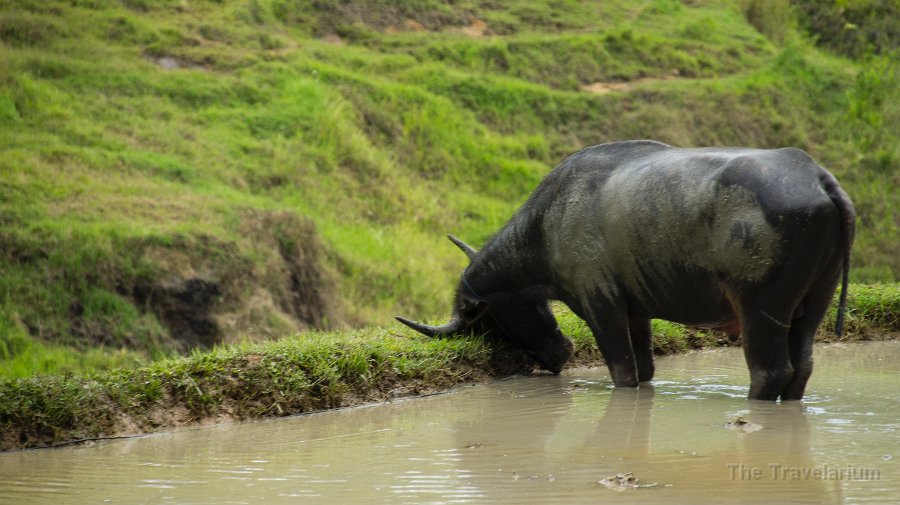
[539, 439]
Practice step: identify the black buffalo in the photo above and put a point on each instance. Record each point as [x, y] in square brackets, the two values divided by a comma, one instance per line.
[749, 241]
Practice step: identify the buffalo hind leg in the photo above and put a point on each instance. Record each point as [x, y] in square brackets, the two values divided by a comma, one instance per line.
[641, 334]
[803, 334]
[801, 337]
[765, 342]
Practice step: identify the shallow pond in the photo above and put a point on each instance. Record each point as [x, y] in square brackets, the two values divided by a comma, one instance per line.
[691, 438]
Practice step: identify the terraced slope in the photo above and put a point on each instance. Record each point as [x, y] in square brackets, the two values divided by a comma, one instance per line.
[181, 173]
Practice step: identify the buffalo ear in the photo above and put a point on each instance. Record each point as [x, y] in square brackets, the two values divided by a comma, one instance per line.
[472, 310]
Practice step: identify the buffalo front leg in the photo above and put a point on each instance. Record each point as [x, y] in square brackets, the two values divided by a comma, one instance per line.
[611, 334]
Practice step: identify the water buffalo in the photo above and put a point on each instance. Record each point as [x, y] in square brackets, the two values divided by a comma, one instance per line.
[749, 241]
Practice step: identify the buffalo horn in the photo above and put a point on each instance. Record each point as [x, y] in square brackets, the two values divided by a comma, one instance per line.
[466, 248]
[454, 326]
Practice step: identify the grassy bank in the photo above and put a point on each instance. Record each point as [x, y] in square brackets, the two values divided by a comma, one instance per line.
[185, 174]
[315, 371]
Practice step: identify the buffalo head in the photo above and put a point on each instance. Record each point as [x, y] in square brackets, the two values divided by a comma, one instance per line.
[521, 317]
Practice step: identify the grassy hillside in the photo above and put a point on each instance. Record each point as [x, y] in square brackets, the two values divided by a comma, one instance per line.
[179, 173]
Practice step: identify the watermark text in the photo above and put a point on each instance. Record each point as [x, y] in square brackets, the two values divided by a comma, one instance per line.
[778, 471]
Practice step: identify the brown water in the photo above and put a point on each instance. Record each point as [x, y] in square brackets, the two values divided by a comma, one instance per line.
[539, 439]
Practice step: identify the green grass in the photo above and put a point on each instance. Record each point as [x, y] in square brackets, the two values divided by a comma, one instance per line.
[120, 177]
[873, 309]
[22, 356]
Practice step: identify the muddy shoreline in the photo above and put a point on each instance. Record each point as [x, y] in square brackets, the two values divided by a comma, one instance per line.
[109, 407]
